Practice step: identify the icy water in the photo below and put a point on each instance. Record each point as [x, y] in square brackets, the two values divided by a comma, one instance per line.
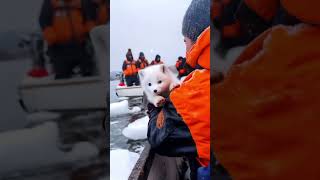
[118, 123]
[72, 128]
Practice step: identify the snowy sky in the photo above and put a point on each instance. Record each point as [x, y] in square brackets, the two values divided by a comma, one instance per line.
[151, 26]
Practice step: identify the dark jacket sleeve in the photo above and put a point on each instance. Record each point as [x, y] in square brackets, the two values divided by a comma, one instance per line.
[89, 10]
[124, 66]
[138, 64]
[174, 138]
[46, 14]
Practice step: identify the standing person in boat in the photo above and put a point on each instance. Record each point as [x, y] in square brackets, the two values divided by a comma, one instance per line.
[130, 70]
[181, 127]
[142, 62]
[181, 67]
[157, 60]
[97, 11]
[64, 29]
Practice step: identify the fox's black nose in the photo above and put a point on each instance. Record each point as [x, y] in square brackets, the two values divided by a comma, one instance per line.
[155, 91]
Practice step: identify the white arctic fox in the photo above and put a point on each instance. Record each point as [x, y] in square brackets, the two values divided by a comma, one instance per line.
[157, 81]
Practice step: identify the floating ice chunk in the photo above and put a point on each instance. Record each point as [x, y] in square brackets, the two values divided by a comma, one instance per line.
[121, 108]
[114, 122]
[137, 129]
[122, 162]
[37, 147]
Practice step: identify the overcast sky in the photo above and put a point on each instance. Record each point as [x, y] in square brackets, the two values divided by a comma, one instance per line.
[151, 26]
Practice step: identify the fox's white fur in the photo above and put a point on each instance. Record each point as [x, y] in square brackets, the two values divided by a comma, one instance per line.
[157, 81]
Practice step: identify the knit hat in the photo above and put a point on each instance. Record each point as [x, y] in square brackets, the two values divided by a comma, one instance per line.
[158, 57]
[196, 19]
[141, 54]
[306, 11]
[129, 54]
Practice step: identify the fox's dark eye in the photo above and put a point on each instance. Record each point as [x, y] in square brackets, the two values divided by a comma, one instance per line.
[159, 82]
[149, 84]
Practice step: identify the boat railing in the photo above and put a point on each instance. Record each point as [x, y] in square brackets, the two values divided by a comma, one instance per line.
[152, 166]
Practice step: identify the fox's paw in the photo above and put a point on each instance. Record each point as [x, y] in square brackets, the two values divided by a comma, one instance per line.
[159, 101]
[174, 85]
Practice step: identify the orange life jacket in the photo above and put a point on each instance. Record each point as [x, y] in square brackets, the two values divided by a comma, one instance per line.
[102, 14]
[143, 64]
[266, 9]
[131, 68]
[266, 110]
[196, 90]
[68, 22]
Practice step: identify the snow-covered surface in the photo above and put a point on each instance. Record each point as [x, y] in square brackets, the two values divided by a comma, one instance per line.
[137, 129]
[121, 108]
[122, 162]
[43, 116]
[36, 147]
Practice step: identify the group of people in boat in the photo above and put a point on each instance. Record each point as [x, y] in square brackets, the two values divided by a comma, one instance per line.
[131, 67]
[262, 101]
[65, 26]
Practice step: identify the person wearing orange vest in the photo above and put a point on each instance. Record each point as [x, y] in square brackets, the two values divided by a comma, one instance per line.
[181, 127]
[63, 26]
[142, 62]
[157, 60]
[267, 107]
[98, 13]
[130, 70]
[181, 67]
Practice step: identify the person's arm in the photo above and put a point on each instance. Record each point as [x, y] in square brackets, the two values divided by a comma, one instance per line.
[138, 64]
[90, 14]
[46, 14]
[46, 20]
[124, 66]
[167, 133]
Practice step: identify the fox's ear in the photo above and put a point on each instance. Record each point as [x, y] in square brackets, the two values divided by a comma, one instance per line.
[162, 68]
[141, 74]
